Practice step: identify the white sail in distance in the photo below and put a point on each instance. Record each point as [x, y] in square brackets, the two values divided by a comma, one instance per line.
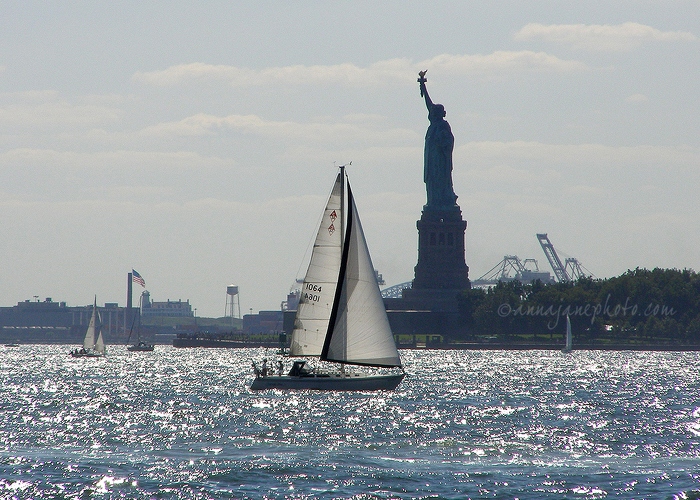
[320, 282]
[100, 344]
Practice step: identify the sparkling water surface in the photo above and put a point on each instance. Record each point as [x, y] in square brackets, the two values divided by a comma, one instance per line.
[182, 423]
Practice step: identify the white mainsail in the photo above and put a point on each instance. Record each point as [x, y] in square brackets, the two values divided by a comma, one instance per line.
[318, 289]
[89, 341]
[359, 332]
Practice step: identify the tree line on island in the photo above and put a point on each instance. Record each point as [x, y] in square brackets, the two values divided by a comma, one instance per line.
[643, 307]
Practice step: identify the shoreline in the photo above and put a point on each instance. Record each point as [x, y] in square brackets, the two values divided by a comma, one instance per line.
[475, 346]
[461, 346]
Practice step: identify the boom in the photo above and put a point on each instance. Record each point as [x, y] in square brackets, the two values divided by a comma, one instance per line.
[553, 258]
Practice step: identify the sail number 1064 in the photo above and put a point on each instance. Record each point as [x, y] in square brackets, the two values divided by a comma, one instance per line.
[311, 292]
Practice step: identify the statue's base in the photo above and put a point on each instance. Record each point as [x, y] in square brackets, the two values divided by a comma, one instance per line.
[441, 248]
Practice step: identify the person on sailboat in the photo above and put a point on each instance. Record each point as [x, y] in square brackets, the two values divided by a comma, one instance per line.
[264, 367]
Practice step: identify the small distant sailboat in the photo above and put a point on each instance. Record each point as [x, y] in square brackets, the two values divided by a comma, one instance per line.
[140, 345]
[567, 347]
[341, 316]
[92, 348]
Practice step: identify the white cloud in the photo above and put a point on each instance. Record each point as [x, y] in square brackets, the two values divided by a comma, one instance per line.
[500, 173]
[138, 161]
[584, 191]
[637, 98]
[501, 62]
[47, 109]
[578, 154]
[380, 73]
[46, 174]
[601, 37]
[347, 129]
[288, 75]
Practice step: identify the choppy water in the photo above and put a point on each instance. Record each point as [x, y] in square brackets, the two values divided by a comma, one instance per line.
[181, 423]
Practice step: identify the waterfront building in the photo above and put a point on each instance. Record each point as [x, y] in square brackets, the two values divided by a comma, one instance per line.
[169, 308]
[34, 321]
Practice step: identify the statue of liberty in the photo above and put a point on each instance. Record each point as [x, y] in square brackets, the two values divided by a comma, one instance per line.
[437, 157]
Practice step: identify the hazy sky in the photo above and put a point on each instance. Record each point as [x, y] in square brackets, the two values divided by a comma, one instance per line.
[196, 142]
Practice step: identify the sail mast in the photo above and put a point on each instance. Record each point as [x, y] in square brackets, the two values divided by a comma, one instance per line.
[336, 325]
[342, 202]
[344, 227]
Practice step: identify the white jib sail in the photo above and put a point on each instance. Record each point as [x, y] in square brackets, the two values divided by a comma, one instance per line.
[568, 333]
[100, 344]
[89, 341]
[318, 289]
[361, 333]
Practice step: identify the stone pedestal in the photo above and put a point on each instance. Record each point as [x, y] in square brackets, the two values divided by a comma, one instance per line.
[441, 272]
[441, 264]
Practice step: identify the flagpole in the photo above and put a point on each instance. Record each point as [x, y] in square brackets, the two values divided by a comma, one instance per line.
[128, 312]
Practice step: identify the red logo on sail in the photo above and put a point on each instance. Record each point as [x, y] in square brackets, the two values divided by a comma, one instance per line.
[331, 229]
[334, 216]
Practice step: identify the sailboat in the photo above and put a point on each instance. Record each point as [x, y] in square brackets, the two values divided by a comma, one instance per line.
[92, 348]
[341, 316]
[140, 345]
[567, 347]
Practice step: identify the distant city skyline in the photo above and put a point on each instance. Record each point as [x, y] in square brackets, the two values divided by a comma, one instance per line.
[196, 143]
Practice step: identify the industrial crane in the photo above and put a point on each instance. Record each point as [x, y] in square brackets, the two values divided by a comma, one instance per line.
[512, 268]
[569, 271]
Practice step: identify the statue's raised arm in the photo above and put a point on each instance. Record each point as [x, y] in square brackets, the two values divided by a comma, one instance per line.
[423, 90]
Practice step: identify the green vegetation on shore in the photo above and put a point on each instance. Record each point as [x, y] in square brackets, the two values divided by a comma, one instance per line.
[643, 307]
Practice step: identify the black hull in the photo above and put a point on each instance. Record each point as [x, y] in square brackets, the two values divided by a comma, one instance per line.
[86, 355]
[140, 348]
